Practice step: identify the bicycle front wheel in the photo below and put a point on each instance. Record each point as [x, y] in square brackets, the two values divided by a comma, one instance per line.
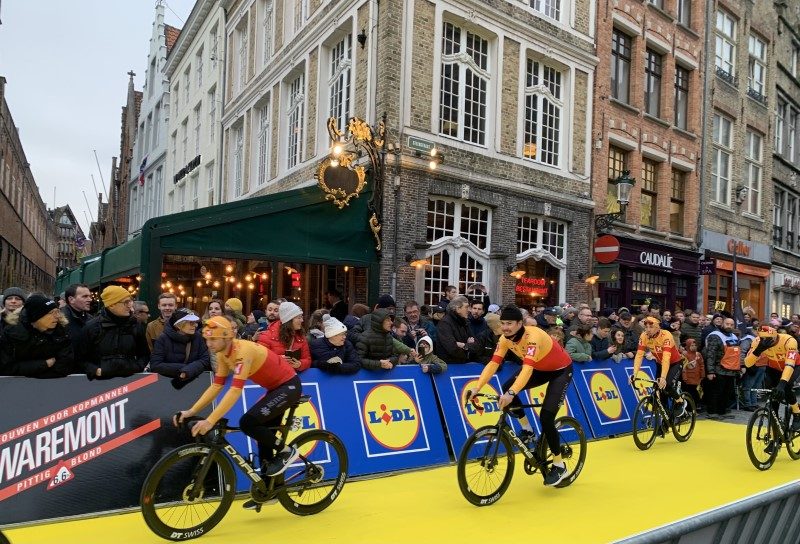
[176, 503]
[645, 424]
[485, 466]
[762, 439]
[683, 426]
[573, 448]
[316, 479]
[792, 441]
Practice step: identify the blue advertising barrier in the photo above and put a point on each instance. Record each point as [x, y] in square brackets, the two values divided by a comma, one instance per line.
[462, 420]
[607, 397]
[387, 420]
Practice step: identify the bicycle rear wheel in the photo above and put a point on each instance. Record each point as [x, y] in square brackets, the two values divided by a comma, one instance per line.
[683, 426]
[175, 505]
[645, 423]
[485, 466]
[793, 441]
[762, 439]
[573, 448]
[316, 479]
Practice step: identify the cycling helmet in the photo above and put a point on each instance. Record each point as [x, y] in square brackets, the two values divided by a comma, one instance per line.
[766, 331]
[218, 327]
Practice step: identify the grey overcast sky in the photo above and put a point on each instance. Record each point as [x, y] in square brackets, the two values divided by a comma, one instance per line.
[66, 65]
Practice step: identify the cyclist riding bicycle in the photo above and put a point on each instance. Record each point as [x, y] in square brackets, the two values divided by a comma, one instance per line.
[248, 360]
[782, 370]
[661, 344]
[544, 361]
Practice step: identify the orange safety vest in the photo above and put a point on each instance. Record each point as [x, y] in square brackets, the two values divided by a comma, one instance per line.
[731, 356]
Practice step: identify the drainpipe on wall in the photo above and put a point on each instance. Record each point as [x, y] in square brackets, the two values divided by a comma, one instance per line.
[700, 176]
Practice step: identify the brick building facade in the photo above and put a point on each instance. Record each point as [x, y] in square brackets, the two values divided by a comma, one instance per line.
[71, 240]
[647, 120]
[27, 235]
[786, 164]
[737, 196]
[504, 93]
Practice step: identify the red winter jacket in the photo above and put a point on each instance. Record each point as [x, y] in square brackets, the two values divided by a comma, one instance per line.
[270, 338]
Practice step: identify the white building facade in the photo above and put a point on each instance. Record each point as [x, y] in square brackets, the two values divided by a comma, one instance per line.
[148, 169]
[195, 69]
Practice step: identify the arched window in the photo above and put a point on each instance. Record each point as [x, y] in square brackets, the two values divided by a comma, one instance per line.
[459, 236]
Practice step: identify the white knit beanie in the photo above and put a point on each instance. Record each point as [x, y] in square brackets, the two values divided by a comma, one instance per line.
[332, 326]
[288, 311]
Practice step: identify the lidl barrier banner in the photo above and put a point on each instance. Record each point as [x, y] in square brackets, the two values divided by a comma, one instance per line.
[69, 446]
[388, 420]
[607, 397]
[462, 420]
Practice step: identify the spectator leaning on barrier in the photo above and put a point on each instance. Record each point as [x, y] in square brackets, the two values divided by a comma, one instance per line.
[376, 346]
[35, 342]
[251, 327]
[79, 300]
[112, 345]
[486, 342]
[617, 341]
[385, 302]
[180, 352]
[287, 337]
[167, 302]
[455, 343]
[315, 326]
[427, 359]
[601, 340]
[632, 331]
[333, 352]
[578, 346]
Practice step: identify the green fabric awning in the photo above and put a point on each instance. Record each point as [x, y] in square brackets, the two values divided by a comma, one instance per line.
[122, 260]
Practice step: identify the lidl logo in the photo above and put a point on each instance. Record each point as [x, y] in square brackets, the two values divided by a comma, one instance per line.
[391, 416]
[309, 419]
[478, 417]
[642, 389]
[605, 395]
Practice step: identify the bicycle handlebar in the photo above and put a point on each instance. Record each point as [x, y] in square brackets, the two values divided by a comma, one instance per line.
[187, 422]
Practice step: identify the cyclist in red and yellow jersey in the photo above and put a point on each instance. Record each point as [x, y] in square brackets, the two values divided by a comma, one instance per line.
[543, 361]
[248, 360]
[669, 361]
[782, 368]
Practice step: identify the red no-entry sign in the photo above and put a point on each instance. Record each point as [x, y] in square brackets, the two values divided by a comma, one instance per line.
[606, 249]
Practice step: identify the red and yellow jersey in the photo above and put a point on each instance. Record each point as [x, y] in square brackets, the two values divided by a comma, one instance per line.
[779, 356]
[245, 360]
[662, 346]
[266, 368]
[536, 348]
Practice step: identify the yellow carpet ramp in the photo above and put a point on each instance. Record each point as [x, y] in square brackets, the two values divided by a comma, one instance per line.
[622, 491]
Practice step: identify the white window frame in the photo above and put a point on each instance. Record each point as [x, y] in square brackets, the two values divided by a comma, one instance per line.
[295, 116]
[754, 156]
[543, 102]
[464, 62]
[456, 244]
[184, 142]
[156, 123]
[194, 182]
[182, 196]
[210, 183]
[794, 64]
[241, 65]
[683, 12]
[237, 160]
[212, 113]
[198, 127]
[264, 141]
[723, 153]
[757, 71]
[267, 26]
[158, 192]
[791, 136]
[780, 116]
[548, 8]
[725, 37]
[300, 14]
[340, 81]
[199, 67]
[187, 77]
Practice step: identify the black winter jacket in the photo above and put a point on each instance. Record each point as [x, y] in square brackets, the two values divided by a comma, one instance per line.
[114, 344]
[77, 322]
[600, 347]
[169, 357]
[24, 350]
[375, 343]
[451, 329]
[322, 351]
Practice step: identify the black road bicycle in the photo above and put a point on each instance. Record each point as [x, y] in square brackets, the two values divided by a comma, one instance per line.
[486, 462]
[767, 432]
[191, 488]
[3, 539]
[652, 419]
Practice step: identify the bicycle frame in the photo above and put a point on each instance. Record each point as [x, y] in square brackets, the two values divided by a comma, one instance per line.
[781, 423]
[216, 440]
[656, 399]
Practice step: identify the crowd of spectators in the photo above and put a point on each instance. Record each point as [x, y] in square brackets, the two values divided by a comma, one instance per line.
[42, 338]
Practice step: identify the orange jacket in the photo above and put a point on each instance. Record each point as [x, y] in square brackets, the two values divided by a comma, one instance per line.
[694, 370]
